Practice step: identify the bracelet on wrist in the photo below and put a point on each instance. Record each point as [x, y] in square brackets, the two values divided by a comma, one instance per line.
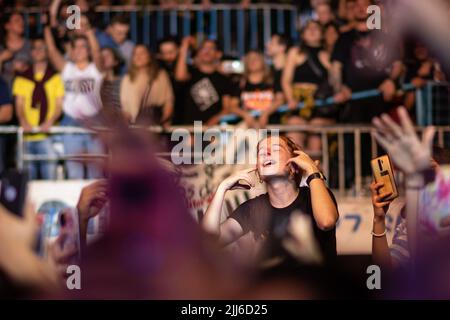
[379, 235]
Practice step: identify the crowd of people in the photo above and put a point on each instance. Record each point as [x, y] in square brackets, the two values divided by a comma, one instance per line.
[69, 75]
[289, 249]
[152, 247]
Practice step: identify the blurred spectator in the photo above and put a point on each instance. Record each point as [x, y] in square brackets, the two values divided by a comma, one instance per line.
[6, 113]
[276, 50]
[110, 90]
[116, 36]
[347, 14]
[23, 268]
[14, 48]
[168, 51]
[324, 14]
[39, 95]
[208, 92]
[256, 92]
[397, 255]
[330, 34]
[364, 59]
[412, 156]
[420, 68]
[146, 92]
[305, 77]
[82, 79]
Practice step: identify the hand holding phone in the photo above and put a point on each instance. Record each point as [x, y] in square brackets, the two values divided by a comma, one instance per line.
[383, 172]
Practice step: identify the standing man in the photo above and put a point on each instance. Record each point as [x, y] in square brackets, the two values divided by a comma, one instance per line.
[208, 91]
[116, 36]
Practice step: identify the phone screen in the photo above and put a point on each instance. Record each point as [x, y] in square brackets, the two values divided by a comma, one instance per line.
[13, 188]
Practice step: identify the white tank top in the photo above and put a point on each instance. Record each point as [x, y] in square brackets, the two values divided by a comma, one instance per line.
[82, 90]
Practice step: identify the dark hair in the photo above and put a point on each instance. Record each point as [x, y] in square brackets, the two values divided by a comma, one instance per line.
[12, 13]
[78, 37]
[117, 57]
[441, 155]
[120, 18]
[37, 38]
[332, 25]
[168, 39]
[5, 19]
[216, 44]
[283, 40]
[302, 31]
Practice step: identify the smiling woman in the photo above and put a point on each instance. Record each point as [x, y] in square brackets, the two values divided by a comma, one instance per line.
[281, 166]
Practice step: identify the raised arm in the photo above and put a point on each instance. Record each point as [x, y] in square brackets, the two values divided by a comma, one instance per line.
[168, 107]
[230, 230]
[181, 68]
[324, 209]
[56, 58]
[380, 249]
[410, 155]
[54, 6]
[92, 199]
[288, 76]
[94, 45]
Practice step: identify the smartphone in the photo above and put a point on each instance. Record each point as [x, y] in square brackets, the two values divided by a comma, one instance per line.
[13, 189]
[70, 230]
[233, 66]
[383, 172]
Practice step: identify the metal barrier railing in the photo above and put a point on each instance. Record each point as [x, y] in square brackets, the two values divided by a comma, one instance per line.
[324, 102]
[341, 135]
[433, 103]
[148, 24]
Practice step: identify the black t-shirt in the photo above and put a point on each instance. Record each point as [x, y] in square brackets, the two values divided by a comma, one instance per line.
[179, 89]
[366, 58]
[277, 74]
[260, 217]
[256, 96]
[205, 93]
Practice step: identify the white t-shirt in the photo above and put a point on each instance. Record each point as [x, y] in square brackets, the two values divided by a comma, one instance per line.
[82, 90]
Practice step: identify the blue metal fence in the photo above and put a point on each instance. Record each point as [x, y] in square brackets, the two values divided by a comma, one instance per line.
[237, 29]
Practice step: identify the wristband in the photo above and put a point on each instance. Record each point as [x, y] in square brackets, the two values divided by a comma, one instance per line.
[379, 235]
[315, 175]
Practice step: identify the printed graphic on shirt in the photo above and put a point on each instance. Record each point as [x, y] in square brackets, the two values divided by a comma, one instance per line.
[80, 85]
[257, 100]
[370, 54]
[204, 94]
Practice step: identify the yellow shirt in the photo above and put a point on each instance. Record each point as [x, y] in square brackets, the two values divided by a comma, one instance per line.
[54, 89]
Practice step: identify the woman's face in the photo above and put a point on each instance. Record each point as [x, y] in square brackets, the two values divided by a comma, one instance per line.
[312, 34]
[80, 51]
[141, 57]
[273, 154]
[254, 62]
[331, 35]
[109, 61]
